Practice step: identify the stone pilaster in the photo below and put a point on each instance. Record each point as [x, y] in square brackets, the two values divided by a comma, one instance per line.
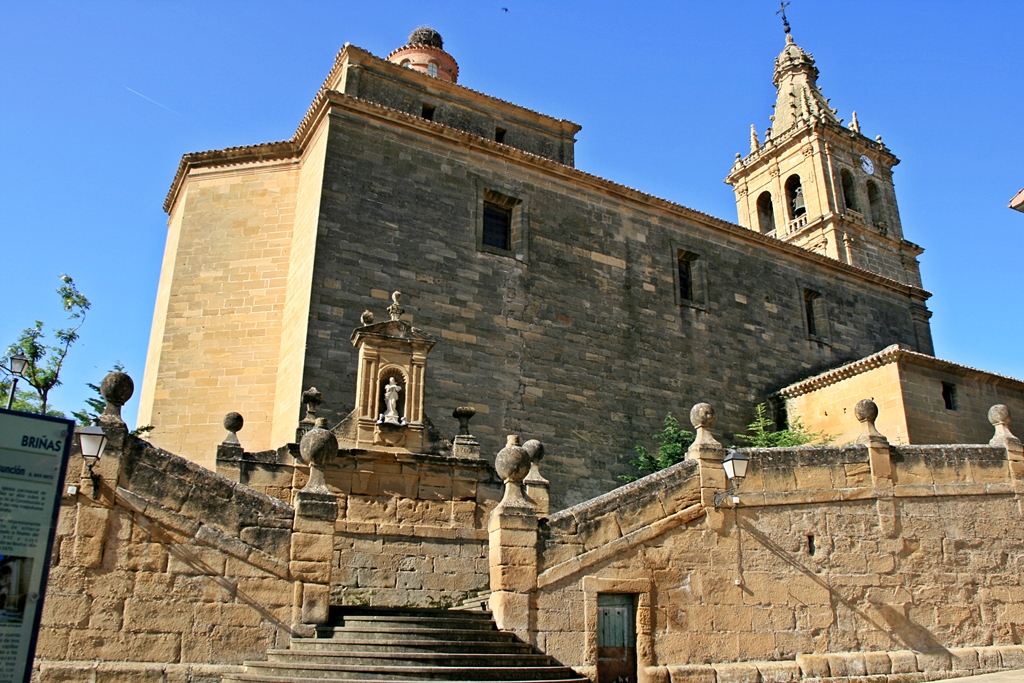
[312, 541]
[881, 465]
[708, 453]
[512, 535]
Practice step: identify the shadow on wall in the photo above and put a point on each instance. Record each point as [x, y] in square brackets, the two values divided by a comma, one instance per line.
[899, 627]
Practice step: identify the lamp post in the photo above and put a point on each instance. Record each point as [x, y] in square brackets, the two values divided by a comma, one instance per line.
[93, 440]
[18, 364]
[735, 466]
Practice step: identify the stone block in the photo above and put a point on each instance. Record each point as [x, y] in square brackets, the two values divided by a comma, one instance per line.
[813, 666]
[779, 672]
[118, 672]
[315, 603]
[265, 592]
[964, 658]
[988, 658]
[312, 547]
[511, 611]
[903, 661]
[877, 663]
[692, 673]
[741, 672]
[66, 610]
[312, 572]
[1012, 656]
[158, 616]
[513, 578]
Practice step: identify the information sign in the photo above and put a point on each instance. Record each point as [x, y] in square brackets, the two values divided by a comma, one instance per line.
[34, 451]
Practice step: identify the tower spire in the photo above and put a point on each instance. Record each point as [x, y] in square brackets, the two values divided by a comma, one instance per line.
[782, 11]
[754, 144]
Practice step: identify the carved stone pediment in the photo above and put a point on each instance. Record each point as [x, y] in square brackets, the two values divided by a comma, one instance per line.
[392, 329]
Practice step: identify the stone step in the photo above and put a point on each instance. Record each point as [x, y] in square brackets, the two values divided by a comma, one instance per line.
[364, 632]
[259, 678]
[338, 612]
[477, 602]
[403, 623]
[357, 672]
[340, 643]
[447, 659]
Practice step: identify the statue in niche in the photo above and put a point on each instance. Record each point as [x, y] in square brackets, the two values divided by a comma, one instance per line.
[392, 391]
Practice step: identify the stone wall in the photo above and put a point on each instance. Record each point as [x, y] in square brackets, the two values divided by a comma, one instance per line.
[835, 561]
[577, 337]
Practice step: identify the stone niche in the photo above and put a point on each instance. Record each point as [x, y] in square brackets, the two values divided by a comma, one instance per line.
[389, 411]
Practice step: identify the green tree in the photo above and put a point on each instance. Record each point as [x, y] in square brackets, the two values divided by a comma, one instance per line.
[760, 435]
[94, 406]
[45, 362]
[672, 444]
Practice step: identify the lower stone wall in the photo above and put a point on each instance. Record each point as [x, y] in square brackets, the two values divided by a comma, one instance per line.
[898, 666]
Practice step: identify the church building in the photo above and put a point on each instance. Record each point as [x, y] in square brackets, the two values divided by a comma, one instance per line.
[568, 307]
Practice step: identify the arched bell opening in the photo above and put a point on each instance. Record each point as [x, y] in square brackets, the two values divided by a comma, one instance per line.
[795, 197]
[849, 190]
[765, 213]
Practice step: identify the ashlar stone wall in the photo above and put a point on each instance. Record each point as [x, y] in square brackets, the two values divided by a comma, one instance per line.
[903, 562]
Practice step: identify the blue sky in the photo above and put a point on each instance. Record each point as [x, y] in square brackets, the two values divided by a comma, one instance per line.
[100, 100]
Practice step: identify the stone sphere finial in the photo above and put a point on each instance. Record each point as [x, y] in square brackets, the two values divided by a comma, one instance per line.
[999, 415]
[535, 449]
[366, 318]
[233, 422]
[866, 411]
[463, 414]
[425, 35]
[702, 415]
[513, 462]
[395, 310]
[116, 389]
[319, 448]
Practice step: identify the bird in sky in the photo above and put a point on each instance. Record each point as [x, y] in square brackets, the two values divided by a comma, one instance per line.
[505, 10]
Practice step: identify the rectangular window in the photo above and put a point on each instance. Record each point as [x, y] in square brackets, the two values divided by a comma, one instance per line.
[949, 395]
[816, 315]
[499, 135]
[501, 225]
[689, 276]
[497, 226]
[685, 277]
[428, 112]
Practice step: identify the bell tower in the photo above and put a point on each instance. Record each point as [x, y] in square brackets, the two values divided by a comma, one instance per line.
[820, 185]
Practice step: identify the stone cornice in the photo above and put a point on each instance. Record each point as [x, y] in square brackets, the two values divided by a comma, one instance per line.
[896, 354]
[334, 100]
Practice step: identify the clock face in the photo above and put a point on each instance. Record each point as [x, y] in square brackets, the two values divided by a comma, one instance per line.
[867, 165]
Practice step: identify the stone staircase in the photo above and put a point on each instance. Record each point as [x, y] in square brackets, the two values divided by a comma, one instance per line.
[368, 644]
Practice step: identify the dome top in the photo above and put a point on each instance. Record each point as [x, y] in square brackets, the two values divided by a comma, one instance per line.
[425, 35]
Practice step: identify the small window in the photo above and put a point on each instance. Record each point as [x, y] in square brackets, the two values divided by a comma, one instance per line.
[499, 135]
[815, 315]
[432, 69]
[949, 396]
[689, 276]
[428, 112]
[810, 544]
[406, 63]
[500, 225]
[497, 226]
[765, 213]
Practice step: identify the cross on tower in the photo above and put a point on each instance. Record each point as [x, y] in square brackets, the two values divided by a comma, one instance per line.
[782, 11]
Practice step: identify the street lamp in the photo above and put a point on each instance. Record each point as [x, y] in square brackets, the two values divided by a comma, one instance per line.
[735, 466]
[93, 440]
[18, 364]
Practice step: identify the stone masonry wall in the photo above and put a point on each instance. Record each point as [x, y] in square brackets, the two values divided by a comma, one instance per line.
[824, 569]
[579, 340]
[172, 574]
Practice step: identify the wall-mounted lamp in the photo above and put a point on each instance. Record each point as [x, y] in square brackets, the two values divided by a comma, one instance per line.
[18, 364]
[93, 440]
[735, 466]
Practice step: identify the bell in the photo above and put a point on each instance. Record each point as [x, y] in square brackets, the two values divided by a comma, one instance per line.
[799, 207]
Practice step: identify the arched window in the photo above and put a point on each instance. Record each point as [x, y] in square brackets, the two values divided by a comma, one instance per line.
[432, 69]
[849, 190]
[765, 213]
[875, 202]
[406, 63]
[795, 197]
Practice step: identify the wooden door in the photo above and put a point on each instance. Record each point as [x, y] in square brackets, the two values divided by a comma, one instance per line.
[616, 638]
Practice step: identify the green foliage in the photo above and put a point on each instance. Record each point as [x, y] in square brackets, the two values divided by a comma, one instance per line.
[95, 405]
[45, 362]
[672, 444]
[759, 434]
